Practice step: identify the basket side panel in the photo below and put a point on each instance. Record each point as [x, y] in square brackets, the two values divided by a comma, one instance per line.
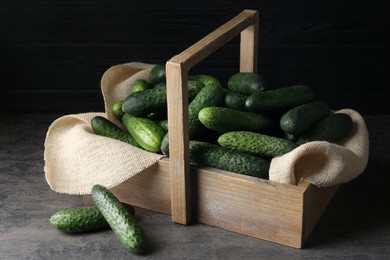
[150, 189]
[316, 201]
[255, 208]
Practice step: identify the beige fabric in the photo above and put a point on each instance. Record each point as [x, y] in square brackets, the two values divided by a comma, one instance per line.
[325, 164]
[76, 158]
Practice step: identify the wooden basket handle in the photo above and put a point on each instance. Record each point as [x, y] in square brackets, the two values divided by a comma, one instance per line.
[177, 69]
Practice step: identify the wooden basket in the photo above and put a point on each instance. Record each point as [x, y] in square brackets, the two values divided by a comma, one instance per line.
[281, 213]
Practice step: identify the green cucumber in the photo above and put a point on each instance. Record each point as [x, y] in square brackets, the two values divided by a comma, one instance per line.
[279, 99]
[104, 127]
[255, 143]
[140, 85]
[83, 219]
[145, 131]
[215, 156]
[206, 79]
[246, 83]
[157, 74]
[330, 129]
[154, 100]
[210, 95]
[222, 120]
[164, 147]
[145, 102]
[235, 100]
[300, 118]
[117, 109]
[124, 226]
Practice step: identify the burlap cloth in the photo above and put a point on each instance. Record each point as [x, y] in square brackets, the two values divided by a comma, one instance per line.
[76, 159]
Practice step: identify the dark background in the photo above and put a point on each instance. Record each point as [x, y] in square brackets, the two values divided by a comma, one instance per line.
[54, 53]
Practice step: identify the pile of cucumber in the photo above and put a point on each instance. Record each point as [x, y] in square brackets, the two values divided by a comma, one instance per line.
[239, 127]
[108, 212]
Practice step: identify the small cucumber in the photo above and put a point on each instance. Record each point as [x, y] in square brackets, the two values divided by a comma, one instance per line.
[298, 119]
[154, 100]
[128, 232]
[143, 103]
[215, 156]
[145, 131]
[246, 83]
[83, 219]
[255, 143]
[164, 147]
[235, 100]
[157, 74]
[279, 99]
[140, 85]
[210, 95]
[104, 127]
[222, 120]
[206, 79]
[117, 109]
[331, 129]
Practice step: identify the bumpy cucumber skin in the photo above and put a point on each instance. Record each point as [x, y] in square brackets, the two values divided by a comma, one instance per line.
[157, 74]
[300, 118]
[215, 156]
[145, 131]
[222, 120]
[194, 87]
[206, 79]
[140, 85]
[78, 220]
[235, 100]
[146, 102]
[83, 219]
[117, 109]
[330, 129]
[246, 83]
[279, 99]
[104, 127]
[154, 100]
[128, 232]
[255, 143]
[210, 95]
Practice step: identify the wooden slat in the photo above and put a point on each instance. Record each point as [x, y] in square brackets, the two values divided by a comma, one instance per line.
[178, 142]
[249, 45]
[250, 206]
[176, 76]
[213, 41]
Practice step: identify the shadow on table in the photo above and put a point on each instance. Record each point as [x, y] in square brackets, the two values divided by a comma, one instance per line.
[359, 211]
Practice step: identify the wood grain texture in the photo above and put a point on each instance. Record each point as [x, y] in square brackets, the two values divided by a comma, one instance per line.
[284, 214]
[65, 46]
[177, 70]
[177, 97]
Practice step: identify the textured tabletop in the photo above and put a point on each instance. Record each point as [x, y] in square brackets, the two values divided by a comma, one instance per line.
[356, 225]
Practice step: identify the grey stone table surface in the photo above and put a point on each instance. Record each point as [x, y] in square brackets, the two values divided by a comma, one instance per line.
[356, 225]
